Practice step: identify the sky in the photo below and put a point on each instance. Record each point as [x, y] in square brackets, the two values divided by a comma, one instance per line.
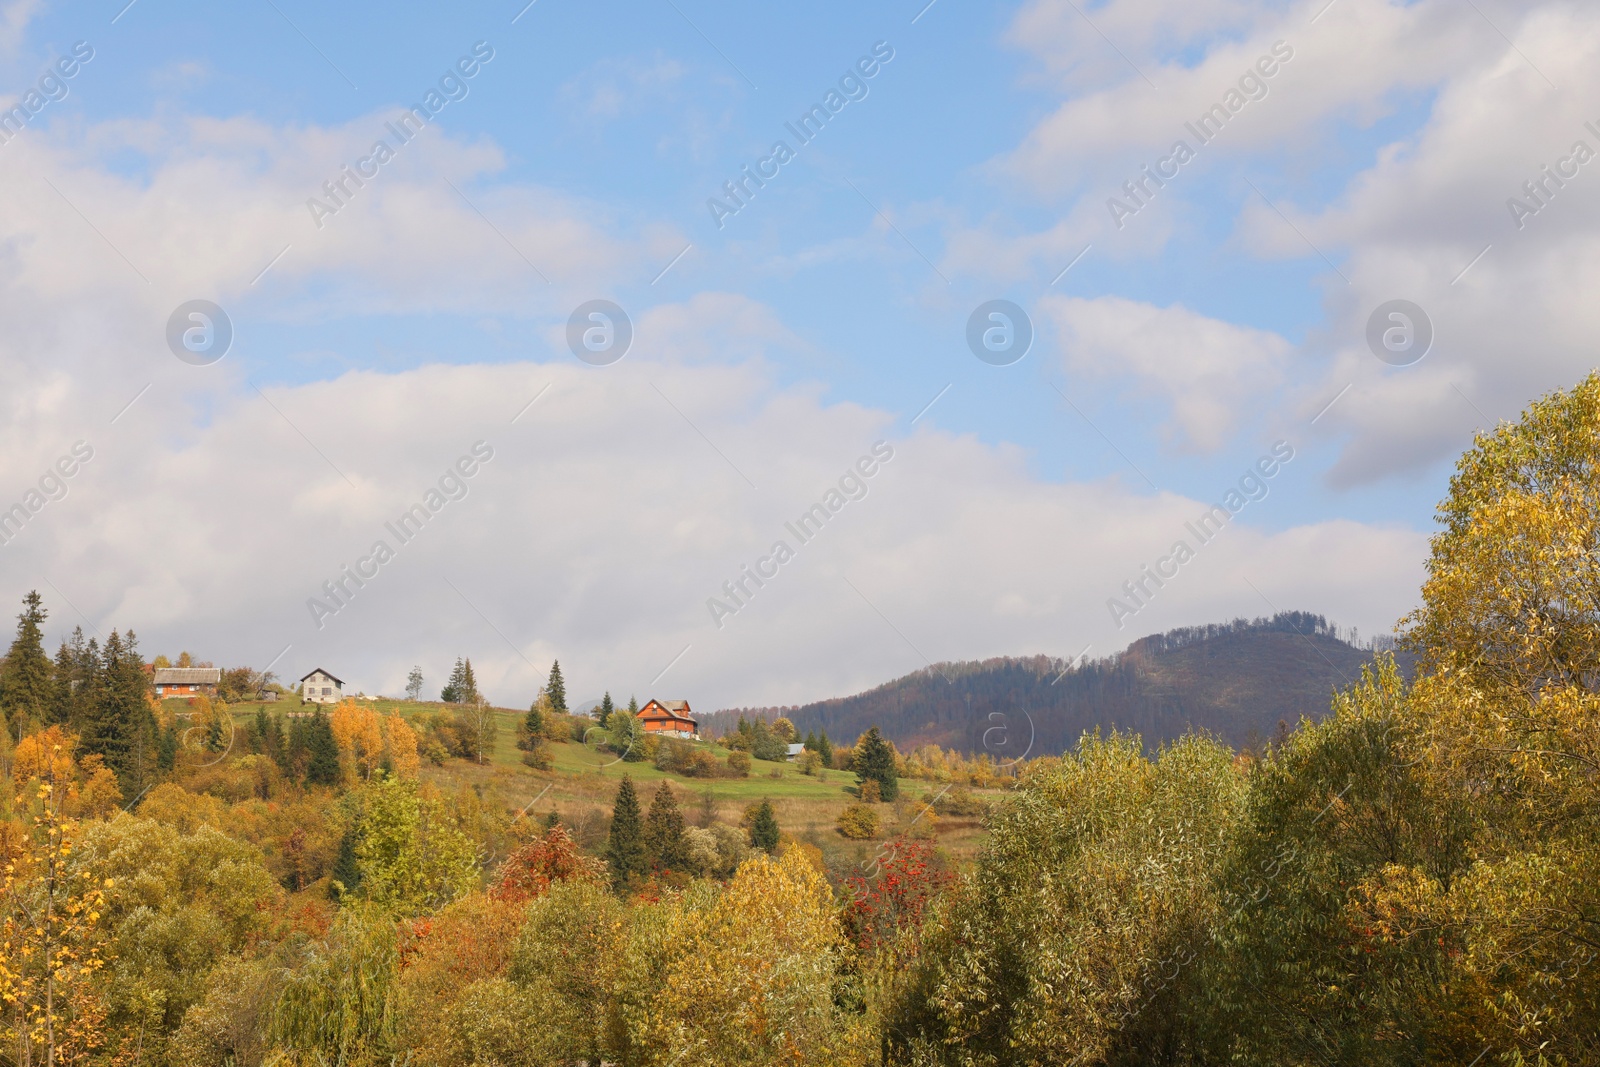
[756, 358]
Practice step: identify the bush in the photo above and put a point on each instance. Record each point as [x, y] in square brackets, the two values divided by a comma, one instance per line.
[960, 801]
[858, 822]
[739, 764]
[810, 762]
[869, 792]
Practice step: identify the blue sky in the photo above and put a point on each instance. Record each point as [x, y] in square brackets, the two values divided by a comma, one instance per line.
[823, 315]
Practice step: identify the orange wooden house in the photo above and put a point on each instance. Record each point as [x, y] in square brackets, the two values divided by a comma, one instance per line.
[668, 717]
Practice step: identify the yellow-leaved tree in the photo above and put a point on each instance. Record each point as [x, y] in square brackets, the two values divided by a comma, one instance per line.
[747, 978]
[359, 737]
[51, 942]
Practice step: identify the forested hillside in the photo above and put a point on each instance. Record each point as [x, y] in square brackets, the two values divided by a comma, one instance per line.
[1238, 680]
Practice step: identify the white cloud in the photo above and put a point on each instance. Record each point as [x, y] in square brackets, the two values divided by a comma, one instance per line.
[1208, 373]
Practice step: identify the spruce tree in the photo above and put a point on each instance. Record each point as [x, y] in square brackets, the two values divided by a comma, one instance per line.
[874, 761]
[625, 843]
[167, 749]
[454, 686]
[825, 749]
[469, 684]
[606, 708]
[322, 766]
[663, 833]
[557, 689]
[764, 828]
[117, 721]
[633, 706]
[262, 733]
[811, 741]
[25, 680]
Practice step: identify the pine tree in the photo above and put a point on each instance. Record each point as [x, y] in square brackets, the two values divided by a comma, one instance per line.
[262, 733]
[764, 828]
[455, 685]
[322, 766]
[625, 843]
[633, 706]
[469, 684]
[606, 708]
[167, 749]
[117, 721]
[25, 689]
[825, 749]
[664, 845]
[557, 689]
[874, 761]
[811, 741]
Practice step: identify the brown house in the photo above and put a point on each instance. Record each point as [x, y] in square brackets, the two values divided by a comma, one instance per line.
[186, 681]
[670, 717]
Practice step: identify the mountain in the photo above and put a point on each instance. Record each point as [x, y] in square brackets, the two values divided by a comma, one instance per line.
[1237, 680]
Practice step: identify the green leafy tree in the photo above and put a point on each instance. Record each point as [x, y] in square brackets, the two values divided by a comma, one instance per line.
[414, 683]
[412, 858]
[625, 848]
[664, 844]
[25, 678]
[874, 761]
[764, 828]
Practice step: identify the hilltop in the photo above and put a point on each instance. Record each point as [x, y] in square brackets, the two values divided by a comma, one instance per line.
[1237, 680]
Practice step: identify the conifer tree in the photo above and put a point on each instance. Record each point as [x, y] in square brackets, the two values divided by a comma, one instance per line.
[469, 684]
[25, 689]
[874, 761]
[664, 843]
[345, 877]
[117, 721]
[811, 741]
[625, 843]
[322, 750]
[556, 687]
[633, 706]
[454, 686]
[764, 828]
[606, 708]
[825, 749]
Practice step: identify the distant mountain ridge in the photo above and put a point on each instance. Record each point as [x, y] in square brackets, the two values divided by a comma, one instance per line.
[1237, 680]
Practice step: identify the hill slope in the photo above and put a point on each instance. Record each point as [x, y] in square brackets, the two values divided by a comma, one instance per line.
[1237, 680]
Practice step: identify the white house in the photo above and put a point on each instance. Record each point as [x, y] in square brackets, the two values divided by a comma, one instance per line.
[320, 687]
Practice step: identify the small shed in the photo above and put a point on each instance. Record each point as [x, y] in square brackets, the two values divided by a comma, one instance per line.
[320, 687]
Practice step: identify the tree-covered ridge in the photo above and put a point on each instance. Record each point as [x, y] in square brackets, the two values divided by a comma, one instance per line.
[1237, 680]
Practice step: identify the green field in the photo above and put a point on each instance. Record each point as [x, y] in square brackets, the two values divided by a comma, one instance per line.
[583, 780]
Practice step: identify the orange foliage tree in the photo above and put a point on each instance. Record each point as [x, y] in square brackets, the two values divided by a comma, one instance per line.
[360, 740]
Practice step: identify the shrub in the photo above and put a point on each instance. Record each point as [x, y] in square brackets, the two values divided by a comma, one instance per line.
[858, 822]
[739, 764]
[869, 792]
[960, 801]
[810, 762]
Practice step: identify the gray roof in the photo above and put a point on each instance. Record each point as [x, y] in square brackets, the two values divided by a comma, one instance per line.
[795, 750]
[336, 681]
[188, 675]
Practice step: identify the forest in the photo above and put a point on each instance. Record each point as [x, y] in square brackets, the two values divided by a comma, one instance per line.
[1412, 879]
